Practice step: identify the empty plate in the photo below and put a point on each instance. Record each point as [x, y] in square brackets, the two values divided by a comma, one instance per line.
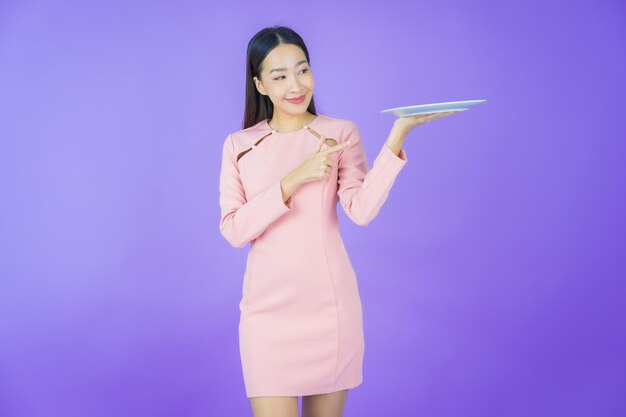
[433, 108]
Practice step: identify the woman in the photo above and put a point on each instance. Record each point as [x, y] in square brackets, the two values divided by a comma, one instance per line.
[282, 175]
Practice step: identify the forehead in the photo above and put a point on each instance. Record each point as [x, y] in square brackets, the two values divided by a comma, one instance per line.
[283, 56]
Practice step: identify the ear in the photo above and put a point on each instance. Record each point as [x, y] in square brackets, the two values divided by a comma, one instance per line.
[259, 86]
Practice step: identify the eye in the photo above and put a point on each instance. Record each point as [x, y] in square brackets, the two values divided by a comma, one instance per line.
[282, 76]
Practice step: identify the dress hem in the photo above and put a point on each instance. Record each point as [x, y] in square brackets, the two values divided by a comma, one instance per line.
[300, 394]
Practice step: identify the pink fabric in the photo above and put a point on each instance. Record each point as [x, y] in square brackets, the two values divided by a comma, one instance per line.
[300, 328]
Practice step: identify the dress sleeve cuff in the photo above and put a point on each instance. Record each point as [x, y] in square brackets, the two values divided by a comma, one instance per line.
[285, 205]
[388, 157]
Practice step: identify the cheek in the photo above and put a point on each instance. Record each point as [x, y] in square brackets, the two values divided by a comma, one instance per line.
[309, 82]
[276, 93]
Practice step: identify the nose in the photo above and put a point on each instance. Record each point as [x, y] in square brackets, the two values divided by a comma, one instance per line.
[295, 85]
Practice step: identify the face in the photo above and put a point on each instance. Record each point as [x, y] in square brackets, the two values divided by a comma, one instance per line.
[285, 75]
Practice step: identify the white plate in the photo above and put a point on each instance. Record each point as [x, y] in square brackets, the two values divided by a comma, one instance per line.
[433, 108]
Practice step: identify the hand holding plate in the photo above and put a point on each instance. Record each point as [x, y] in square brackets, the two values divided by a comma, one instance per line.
[406, 123]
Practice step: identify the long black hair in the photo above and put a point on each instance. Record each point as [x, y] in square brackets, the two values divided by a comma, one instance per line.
[259, 107]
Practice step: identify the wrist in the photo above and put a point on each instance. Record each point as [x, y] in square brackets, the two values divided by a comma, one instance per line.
[395, 140]
[397, 132]
[289, 184]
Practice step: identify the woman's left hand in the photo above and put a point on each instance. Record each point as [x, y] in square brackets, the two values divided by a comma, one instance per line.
[406, 123]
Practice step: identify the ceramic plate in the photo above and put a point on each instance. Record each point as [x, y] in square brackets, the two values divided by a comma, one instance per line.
[433, 108]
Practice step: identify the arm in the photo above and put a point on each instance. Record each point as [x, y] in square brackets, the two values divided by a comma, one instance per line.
[362, 192]
[242, 220]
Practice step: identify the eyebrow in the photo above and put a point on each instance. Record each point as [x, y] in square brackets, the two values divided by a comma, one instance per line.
[285, 69]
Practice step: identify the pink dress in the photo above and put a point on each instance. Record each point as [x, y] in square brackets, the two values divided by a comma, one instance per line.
[300, 328]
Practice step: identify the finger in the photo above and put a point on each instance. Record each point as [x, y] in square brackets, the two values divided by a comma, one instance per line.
[426, 117]
[318, 145]
[435, 116]
[440, 115]
[336, 147]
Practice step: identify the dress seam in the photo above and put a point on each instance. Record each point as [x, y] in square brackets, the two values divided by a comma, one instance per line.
[332, 282]
[243, 178]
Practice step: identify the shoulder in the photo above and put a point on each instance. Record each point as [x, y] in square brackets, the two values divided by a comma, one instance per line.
[332, 122]
[243, 139]
[334, 127]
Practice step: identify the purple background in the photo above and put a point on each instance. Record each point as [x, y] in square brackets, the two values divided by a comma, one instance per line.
[492, 279]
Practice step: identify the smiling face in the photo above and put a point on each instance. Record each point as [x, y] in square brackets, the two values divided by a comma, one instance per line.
[285, 75]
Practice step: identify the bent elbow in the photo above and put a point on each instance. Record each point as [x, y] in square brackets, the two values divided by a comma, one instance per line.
[237, 243]
[234, 242]
[359, 219]
[232, 237]
[362, 223]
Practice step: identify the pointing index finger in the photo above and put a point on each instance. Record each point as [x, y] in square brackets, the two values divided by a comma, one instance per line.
[336, 147]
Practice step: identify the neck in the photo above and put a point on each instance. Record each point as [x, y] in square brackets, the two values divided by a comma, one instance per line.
[288, 123]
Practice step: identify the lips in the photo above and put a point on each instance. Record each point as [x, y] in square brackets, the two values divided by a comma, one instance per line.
[296, 100]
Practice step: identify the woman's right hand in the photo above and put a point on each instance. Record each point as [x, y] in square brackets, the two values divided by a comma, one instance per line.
[318, 165]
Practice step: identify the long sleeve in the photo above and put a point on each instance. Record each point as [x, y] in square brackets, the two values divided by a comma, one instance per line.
[362, 192]
[241, 220]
